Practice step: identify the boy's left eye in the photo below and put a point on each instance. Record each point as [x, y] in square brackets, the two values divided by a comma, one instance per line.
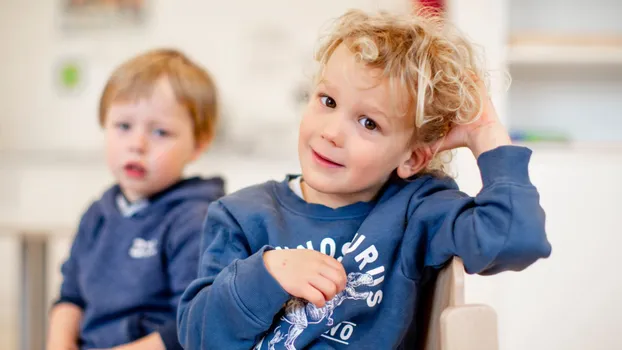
[328, 101]
[161, 132]
[368, 123]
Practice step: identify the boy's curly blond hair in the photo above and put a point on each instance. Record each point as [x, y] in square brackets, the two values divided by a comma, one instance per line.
[419, 54]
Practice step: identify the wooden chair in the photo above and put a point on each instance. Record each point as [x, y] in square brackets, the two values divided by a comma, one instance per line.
[451, 324]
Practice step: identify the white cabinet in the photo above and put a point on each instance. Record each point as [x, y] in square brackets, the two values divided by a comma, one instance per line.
[565, 59]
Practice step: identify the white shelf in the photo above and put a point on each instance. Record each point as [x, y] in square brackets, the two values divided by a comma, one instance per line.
[525, 54]
[551, 48]
[603, 147]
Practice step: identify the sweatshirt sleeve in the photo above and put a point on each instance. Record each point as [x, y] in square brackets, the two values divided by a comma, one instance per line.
[501, 228]
[70, 291]
[234, 299]
[182, 260]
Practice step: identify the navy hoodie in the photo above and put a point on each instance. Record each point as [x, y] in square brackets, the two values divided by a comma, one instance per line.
[385, 246]
[127, 273]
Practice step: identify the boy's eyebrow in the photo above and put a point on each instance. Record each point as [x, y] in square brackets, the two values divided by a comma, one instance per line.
[376, 111]
[325, 82]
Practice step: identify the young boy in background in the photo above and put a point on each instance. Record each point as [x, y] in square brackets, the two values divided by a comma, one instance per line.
[335, 257]
[137, 247]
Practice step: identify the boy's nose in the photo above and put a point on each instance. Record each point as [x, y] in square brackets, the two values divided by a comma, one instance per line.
[138, 143]
[332, 130]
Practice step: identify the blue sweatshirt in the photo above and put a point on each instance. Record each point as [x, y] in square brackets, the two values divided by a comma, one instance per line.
[127, 272]
[384, 246]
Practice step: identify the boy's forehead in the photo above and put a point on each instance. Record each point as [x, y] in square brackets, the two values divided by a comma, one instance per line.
[344, 65]
[344, 70]
[154, 105]
[133, 91]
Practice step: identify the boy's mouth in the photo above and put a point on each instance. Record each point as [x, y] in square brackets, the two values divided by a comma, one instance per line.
[135, 170]
[325, 161]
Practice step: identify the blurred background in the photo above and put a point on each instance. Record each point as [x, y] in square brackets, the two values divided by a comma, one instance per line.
[564, 101]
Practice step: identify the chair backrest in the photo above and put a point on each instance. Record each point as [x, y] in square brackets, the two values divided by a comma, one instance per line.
[447, 323]
[446, 291]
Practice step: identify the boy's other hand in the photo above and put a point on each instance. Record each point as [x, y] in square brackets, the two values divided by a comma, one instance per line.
[306, 274]
[485, 134]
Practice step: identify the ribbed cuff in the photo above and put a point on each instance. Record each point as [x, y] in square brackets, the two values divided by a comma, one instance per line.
[76, 301]
[257, 289]
[505, 164]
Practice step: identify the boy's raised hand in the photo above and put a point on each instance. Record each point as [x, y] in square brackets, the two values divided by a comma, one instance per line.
[306, 274]
[485, 134]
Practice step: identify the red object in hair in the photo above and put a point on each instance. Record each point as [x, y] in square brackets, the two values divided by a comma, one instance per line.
[438, 4]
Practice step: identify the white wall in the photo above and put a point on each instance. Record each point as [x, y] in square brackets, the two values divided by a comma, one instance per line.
[578, 100]
[583, 103]
[468, 17]
[9, 293]
[571, 300]
[566, 302]
[565, 16]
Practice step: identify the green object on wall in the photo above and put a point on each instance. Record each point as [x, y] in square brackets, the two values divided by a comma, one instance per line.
[70, 75]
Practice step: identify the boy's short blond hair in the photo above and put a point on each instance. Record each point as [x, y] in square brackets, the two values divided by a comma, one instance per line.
[193, 86]
[417, 53]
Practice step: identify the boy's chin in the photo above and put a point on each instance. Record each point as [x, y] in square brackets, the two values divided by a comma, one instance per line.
[328, 185]
[138, 190]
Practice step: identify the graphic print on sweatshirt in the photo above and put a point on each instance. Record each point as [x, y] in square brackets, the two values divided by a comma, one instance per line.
[300, 317]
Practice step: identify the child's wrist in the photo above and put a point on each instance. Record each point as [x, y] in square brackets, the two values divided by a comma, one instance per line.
[487, 138]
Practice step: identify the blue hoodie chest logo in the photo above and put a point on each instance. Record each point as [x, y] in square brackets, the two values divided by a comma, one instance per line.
[142, 248]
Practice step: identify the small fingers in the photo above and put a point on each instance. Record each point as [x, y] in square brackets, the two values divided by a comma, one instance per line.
[336, 275]
[314, 296]
[327, 287]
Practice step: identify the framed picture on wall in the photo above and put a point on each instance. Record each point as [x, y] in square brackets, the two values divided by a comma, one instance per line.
[88, 15]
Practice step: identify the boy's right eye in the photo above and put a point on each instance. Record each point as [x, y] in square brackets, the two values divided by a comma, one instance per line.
[328, 101]
[123, 126]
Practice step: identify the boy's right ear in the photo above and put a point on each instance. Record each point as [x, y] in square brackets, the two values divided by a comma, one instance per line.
[419, 158]
[201, 146]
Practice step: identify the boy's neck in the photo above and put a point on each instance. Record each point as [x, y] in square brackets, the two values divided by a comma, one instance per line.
[331, 200]
[133, 197]
[127, 208]
[130, 197]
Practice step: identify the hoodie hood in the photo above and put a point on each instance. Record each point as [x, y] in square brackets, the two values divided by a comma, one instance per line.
[191, 189]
